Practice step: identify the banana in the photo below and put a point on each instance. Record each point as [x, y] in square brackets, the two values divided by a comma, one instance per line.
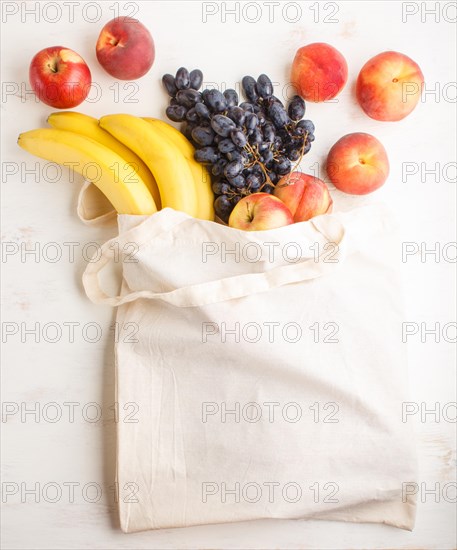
[169, 166]
[127, 192]
[202, 178]
[178, 138]
[88, 126]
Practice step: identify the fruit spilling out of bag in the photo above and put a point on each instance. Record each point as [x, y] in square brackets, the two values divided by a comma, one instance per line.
[143, 164]
[232, 161]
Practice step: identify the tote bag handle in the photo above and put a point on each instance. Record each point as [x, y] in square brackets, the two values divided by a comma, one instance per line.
[228, 288]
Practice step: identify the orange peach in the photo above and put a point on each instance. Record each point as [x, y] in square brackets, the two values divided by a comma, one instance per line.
[319, 72]
[125, 48]
[306, 196]
[260, 211]
[358, 164]
[389, 86]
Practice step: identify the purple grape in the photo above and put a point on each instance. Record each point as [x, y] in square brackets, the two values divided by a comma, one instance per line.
[206, 155]
[222, 125]
[203, 135]
[231, 97]
[264, 86]
[195, 79]
[182, 78]
[176, 113]
[168, 81]
[233, 169]
[188, 98]
[238, 138]
[250, 88]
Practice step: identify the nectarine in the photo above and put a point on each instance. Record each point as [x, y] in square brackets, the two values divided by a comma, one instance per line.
[319, 72]
[358, 164]
[389, 86]
[125, 48]
[304, 195]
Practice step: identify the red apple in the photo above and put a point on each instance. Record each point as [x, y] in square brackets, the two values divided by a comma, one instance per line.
[358, 164]
[260, 211]
[125, 48]
[389, 86]
[319, 72]
[306, 196]
[60, 77]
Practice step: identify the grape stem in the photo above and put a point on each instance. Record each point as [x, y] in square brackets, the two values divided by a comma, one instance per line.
[302, 154]
[251, 150]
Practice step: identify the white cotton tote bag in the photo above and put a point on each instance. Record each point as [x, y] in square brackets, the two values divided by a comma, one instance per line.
[265, 370]
[93, 207]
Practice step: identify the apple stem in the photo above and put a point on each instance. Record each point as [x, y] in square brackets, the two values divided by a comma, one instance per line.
[250, 214]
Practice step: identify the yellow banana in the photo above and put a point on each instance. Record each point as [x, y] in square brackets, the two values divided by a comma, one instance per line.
[169, 166]
[200, 174]
[126, 191]
[178, 138]
[88, 126]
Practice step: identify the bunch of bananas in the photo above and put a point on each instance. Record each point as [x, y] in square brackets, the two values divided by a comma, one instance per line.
[139, 164]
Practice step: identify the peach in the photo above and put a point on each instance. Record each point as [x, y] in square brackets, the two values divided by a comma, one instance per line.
[125, 48]
[260, 211]
[389, 86]
[319, 72]
[358, 164]
[306, 196]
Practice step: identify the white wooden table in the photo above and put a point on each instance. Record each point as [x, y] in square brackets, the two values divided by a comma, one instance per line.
[41, 293]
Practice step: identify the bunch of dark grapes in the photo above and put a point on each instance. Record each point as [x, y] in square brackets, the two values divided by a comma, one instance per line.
[247, 146]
